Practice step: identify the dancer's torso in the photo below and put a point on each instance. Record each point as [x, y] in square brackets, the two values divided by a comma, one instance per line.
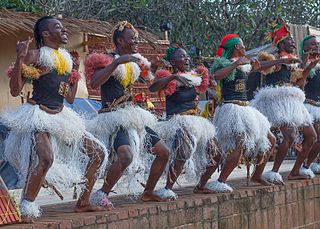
[278, 78]
[180, 101]
[235, 89]
[50, 89]
[312, 88]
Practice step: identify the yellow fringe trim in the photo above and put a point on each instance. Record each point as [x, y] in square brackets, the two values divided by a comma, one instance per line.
[61, 64]
[127, 79]
[30, 72]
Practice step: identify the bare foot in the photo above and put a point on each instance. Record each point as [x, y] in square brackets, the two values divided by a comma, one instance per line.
[203, 190]
[151, 197]
[90, 208]
[261, 181]
[27, 220]
[297, 177]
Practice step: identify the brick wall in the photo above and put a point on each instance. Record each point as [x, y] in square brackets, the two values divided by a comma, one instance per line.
[294, 205]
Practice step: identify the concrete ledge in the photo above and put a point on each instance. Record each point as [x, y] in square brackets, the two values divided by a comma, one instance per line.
[295, 205]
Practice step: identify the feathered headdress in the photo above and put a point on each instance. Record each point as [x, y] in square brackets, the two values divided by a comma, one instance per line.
[279, 30]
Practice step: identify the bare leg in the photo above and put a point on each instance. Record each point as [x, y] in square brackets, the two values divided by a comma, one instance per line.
[316, 147]
[183, 154]
[115, 171]
[308, 141]
[256, 176]
[231, 163]
[158, 166]
[214, 156]
[96, 155]
[289, 134]
[45, 155]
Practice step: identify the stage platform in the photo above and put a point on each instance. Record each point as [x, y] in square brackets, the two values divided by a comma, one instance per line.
[294, 205]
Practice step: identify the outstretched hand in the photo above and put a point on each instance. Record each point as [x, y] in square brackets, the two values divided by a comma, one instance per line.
[243, 60]
[23, 47]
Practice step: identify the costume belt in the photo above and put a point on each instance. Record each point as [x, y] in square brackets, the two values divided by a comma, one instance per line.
[194, 111]
[45, 108]
[282, 84]
[237, 102]
[313, 102]
[119, 102]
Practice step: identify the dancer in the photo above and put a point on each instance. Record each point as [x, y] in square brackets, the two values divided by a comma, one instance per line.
[47, 143]
[310, 55]
[281, 101]
[243, 132]
[120, 125]
[190, 137]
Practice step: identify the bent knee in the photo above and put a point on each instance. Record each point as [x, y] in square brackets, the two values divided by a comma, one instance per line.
[125, 155]
[161, 150]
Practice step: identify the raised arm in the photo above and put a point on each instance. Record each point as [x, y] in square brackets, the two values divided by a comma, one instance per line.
[223, 73]
[24, 56]
[101, 76]
[161, 83]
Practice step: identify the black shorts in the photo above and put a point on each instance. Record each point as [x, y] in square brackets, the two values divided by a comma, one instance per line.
[122, 138]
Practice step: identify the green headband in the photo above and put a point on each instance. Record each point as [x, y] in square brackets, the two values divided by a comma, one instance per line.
[301, 51]
[228, 47]
[169, 51]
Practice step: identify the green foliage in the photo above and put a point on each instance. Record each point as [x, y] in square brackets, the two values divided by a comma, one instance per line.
[196, 23]
[19, 5]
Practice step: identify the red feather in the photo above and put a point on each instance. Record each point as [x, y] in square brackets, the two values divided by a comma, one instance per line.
[171, 86]
[205, 78]
[95, 61]
[74, 76]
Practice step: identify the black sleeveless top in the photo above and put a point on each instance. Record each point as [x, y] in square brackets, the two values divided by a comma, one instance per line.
[278, 78]
[50, 89]
[235, 89]
[312, 88]
[110, 90]
[180, 101]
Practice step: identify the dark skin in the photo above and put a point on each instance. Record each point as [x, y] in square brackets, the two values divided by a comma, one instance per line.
[53, 36]
[289, 133]
[127, 45]
[233, 159]
[311, 50]
[181, 62]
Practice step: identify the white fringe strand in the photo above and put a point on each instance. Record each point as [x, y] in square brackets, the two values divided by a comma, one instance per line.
[165, 193]
[66, 133]
[241, 122]
[315, 167]
[100, 198]
[272, 177]
[314, 112]
[282, 106]
[29, 209]
[306, 172]
[134, 120]
[219, 187]
[197, 133]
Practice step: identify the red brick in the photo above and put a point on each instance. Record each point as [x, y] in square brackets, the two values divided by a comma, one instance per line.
[309, 211]
[226, 223]
[153, 210]
[133, 212]
[189, 203]
[101, 219]
[252, 220]
[110, 217]
[291, 196]
[144, 211]
[123, 214]
[65, 224]
[254, 203]
[143, 223]
[277, 217]
[172, 206]
[77, 222]
[176, 218]
[293, 212]
[267, 200]
[193, 215]
[180, 203]
[271, 216]
[88, 220]
[226, 208]
[210, 213]
[198, 202]
[214, 225]
[301, 214]
[158, 221]
[308, 192]
[207, 225]
[317, 209]
[279, 198]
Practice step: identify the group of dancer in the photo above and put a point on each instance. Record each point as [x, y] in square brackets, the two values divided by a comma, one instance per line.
[48, 144]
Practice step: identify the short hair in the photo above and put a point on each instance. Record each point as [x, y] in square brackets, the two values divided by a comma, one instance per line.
[39, 27]
[119, 30]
